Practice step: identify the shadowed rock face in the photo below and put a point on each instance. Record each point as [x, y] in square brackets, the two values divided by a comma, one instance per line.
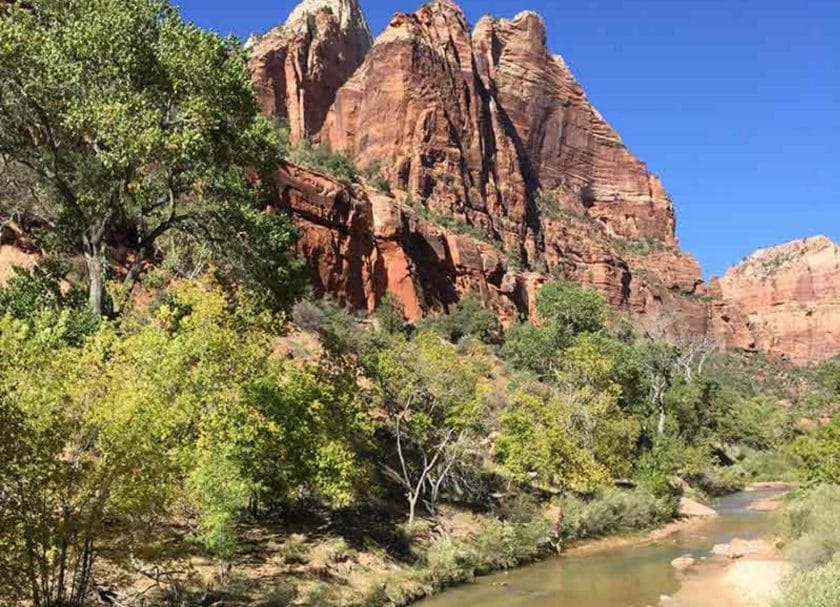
[361, 245]
[298, 67]
[790, 297]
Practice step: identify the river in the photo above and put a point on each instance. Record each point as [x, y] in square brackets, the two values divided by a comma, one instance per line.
[628, 576]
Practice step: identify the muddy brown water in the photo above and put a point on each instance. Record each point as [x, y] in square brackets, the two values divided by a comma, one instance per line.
[628, 576]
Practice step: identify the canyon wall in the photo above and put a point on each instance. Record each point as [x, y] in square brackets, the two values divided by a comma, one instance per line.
[298, 67]
[789, 296]
[482, 130]
[501, 176]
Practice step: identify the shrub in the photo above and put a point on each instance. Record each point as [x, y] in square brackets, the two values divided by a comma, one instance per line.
[817, 588]
[449, 561]
[612, 512]
[470, 318]
[504, 545]
[764, 466]
[282, 595]
[374, 178]
[321, 158]
[820, 453]
[811, 525]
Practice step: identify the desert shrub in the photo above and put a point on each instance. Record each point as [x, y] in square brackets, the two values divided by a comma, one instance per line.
[470, 318]
[391, 315]
[504, 545]
[817, 588]
[294, 551]
[282, 595]
[669, 457]
[322, 158]
[338, 329]
[820, 453]
[612, 512]
[715, 481]
[449, 561]
[374, 177]
[762, 466]
[811, 526]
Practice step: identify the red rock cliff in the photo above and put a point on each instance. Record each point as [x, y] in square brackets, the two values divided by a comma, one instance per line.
[298, 67]
[789, 296]
[482, 130]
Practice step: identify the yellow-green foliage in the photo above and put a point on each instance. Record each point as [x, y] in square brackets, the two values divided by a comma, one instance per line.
[575, 436]
[186, 408]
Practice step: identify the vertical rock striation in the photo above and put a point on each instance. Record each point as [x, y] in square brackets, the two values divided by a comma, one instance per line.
[487, 128]
[298, 67]
[503, 174]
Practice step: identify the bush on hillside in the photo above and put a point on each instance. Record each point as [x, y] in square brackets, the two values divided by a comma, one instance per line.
[817, 588]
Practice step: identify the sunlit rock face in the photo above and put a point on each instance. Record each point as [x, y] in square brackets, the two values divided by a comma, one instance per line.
[297, 67]
[503, 176]
[488, 131]
[790, 298]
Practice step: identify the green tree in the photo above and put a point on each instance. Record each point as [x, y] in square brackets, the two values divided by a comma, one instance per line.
[820, 452]
[571, 309]
[537, 443]
[828, 375]
[470, 318]
[129, 120]
[433, 410]
[532, 348]
[565, 310]
[183, 407]
[31, 292]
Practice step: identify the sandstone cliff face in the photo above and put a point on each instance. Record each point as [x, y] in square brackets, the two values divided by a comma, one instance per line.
[486, 132]
[298, 67]
[361, 245]
[476, 123]
[789, 296]
[487, 128]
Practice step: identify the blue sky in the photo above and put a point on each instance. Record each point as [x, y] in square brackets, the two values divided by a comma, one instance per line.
[734, 103]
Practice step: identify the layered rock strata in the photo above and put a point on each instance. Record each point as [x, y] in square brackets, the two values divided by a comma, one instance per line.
[789, 298]
[298, 67]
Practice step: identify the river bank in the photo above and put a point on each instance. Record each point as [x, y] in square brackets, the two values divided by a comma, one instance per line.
[636, 571]
[732, 578]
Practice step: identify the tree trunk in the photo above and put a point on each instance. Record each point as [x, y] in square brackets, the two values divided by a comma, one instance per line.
[661, 425]
[412, 507]
[93, 260]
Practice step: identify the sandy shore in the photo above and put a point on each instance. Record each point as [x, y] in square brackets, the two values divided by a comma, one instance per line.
[750, 582]
[753, 581]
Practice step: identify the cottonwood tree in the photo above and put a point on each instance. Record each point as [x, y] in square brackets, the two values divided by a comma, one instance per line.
[123, 121]
[659, 361]
[433, 408]
[693, 354]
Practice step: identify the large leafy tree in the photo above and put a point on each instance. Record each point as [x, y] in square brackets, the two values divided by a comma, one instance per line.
[184, 408]
[433, 409]
[123, 123]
